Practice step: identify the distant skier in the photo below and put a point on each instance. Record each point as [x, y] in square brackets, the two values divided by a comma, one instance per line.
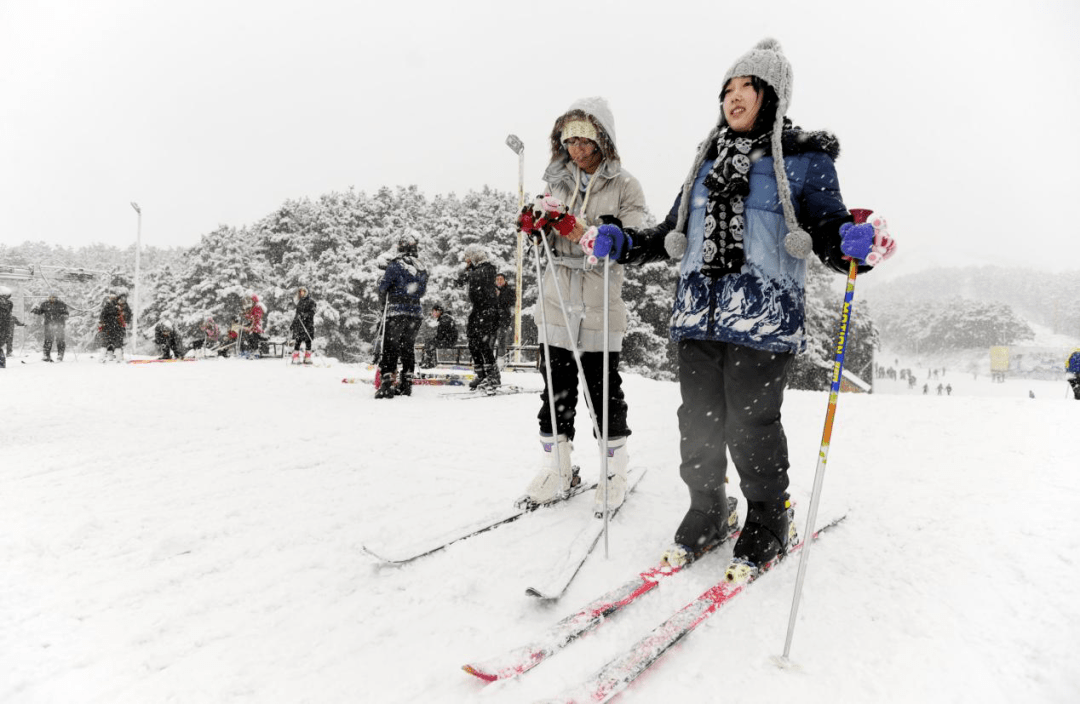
[249, 329]
[505, 295]
[400, 291]
[303, 325]
[54, 314]
[6, 321]
[112, 324]
[446, 336]
[7, 339]
[483, 323]
[167, 340]
[211, 337]
[1073, 368]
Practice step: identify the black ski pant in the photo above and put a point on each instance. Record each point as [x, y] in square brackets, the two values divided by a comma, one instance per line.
[304, 338]
[398, 342]
[481, 331]
[54, 332]
[564, 377]
[731, 398]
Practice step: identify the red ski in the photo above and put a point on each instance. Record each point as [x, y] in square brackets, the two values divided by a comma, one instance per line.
[526, 657]
[620, 672]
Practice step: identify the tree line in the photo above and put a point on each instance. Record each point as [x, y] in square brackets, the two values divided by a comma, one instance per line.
[338, 244]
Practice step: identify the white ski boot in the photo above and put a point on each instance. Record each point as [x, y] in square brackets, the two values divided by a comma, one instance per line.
[556, 476]
[307, 357]
[295, 358]
[616, 483]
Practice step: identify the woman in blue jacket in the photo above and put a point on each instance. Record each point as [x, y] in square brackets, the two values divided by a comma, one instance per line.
[760, 196]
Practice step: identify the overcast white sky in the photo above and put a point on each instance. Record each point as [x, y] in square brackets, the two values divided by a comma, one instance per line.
[957, 120]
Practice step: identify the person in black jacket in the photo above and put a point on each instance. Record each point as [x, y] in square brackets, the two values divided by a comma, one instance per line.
[9, 341]
[303, 325]
[112, 324]
[168, 340]
[6, 321]
[54, 314]
[446, 336]
[505, 335]
[479, 276]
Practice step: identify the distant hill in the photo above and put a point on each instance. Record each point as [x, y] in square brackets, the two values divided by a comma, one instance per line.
[1049, 302]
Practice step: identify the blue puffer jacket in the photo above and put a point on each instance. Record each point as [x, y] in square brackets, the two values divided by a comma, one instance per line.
[762, 306]
[402, 287]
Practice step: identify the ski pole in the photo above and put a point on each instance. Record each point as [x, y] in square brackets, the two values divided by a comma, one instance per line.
[606, 403]
[547, 352]
[572, 334]
[860, 215]
[382, 342]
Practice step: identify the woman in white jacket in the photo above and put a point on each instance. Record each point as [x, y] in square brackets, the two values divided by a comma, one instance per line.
[587, 176]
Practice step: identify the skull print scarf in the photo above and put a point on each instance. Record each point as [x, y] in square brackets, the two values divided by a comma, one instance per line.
[728, 183]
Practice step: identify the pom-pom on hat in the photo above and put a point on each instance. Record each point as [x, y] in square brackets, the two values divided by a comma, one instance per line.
[578, 128]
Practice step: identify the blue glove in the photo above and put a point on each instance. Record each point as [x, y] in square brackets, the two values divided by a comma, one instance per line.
[611, 242]
[857, 241]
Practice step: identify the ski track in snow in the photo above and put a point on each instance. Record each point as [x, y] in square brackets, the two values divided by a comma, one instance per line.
[191, 533]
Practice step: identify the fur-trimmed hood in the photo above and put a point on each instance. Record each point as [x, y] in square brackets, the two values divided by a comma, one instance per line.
[798, 141]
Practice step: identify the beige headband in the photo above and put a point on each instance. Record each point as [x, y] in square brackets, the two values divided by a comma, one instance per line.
[578, 128]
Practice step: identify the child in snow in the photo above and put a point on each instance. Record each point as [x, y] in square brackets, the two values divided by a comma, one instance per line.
[761, 195]
[303, 325]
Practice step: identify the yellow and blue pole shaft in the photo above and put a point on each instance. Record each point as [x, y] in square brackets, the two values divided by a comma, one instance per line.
[860, 215]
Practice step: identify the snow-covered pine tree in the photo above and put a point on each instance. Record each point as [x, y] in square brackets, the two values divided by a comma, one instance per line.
[812, 369]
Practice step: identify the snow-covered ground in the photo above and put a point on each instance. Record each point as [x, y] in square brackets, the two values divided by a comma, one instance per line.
[191, 532]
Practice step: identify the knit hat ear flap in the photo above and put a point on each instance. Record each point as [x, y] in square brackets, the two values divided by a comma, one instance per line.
[798, 242]
[767, 62]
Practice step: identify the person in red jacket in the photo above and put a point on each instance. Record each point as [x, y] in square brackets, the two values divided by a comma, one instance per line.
[250, 327]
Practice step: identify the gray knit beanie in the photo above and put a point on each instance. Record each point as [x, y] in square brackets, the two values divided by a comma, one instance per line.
[766, 61]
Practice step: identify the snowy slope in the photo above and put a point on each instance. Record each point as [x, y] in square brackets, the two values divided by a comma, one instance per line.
[191, 533]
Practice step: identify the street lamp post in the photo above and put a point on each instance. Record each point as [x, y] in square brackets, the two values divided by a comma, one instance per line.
[518, 146]
[138, 250]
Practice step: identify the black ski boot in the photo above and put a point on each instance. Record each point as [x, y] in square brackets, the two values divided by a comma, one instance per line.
[767, 535]
[404, 387]
[386, 388]
[702, 530]
[492, 380]
[481, 374]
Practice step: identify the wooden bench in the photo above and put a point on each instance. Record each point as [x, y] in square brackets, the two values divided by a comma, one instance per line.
[278, 345]
[458, 355]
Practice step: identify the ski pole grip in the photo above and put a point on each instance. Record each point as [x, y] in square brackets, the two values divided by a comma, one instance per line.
[860, 215]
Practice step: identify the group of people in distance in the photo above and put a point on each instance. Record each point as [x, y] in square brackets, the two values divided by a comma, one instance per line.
[115, 318]
[761, 195]
[401, 290]
[246, 334]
